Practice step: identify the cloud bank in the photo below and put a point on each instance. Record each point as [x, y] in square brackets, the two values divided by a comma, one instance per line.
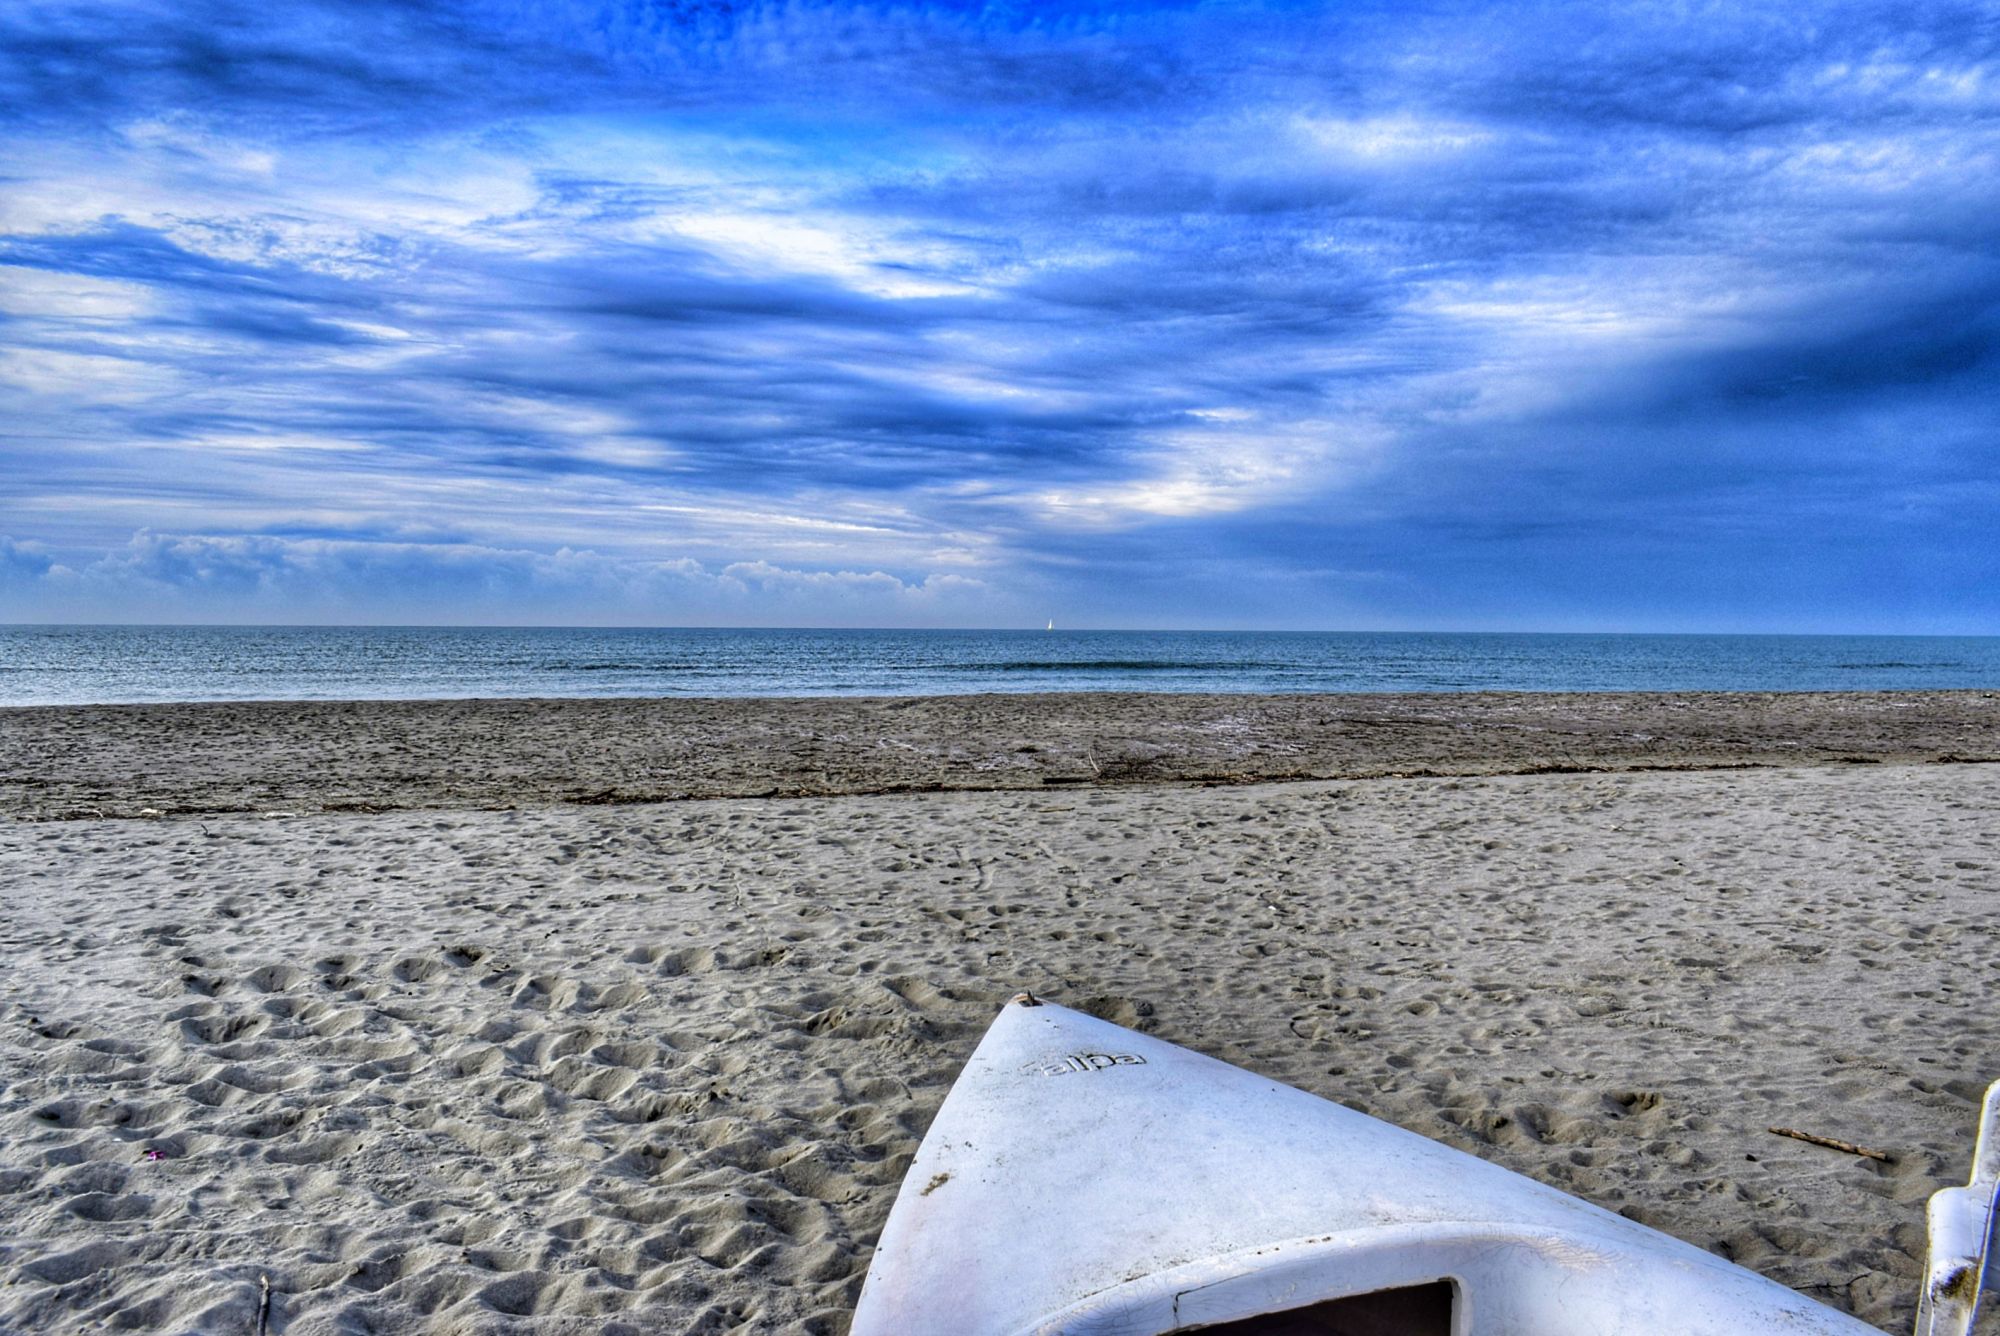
[183, 577]
[1437, 315]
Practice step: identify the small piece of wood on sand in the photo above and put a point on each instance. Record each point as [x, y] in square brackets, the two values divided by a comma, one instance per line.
[1832, 1143]
[264, 1306]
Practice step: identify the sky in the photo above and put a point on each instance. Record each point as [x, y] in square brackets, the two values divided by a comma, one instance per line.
[1581, 316]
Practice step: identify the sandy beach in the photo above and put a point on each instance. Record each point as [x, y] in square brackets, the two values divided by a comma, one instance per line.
[628, 1016]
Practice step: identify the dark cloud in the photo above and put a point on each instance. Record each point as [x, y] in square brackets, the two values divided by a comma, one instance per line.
[1336, 304]
[306, 67]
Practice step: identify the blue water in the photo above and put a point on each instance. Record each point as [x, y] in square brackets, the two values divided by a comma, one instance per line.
[48, 665]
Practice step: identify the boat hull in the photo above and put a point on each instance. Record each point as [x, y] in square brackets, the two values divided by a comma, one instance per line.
[1084, 1178]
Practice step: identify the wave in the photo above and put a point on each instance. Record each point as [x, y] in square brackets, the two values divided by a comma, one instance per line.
[1100, 665]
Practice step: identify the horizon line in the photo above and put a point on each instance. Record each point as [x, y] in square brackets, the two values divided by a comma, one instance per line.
[983, 630]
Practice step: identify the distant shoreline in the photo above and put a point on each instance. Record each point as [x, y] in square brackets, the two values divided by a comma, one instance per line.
[193, 759]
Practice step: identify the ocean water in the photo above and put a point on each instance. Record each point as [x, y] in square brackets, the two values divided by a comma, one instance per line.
[51, 665]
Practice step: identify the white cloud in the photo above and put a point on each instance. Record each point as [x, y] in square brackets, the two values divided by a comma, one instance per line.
[86, 376]
[1234, 461]
[253, 576]
[40, 294]
[1390, 140]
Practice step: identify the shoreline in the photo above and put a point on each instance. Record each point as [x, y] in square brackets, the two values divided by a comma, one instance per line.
[217, 758]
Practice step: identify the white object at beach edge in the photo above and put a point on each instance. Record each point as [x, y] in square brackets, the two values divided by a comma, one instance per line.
[1082, 1179]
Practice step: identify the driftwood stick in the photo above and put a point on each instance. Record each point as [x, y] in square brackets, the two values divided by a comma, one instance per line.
[1832, 1143]
[264, 1307]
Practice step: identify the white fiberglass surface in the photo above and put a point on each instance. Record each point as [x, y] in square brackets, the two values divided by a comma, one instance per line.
[1084, 1179]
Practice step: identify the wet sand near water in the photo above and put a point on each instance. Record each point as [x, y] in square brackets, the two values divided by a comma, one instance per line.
[60, 762]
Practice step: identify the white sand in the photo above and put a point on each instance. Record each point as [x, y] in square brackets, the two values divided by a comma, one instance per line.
[660, 1068]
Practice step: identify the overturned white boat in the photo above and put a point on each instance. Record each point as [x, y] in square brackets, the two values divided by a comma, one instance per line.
[1083, 1180]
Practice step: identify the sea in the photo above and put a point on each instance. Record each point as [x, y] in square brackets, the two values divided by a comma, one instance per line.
[70, 665]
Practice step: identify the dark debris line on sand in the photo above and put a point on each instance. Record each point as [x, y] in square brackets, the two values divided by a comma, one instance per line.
[95, 762]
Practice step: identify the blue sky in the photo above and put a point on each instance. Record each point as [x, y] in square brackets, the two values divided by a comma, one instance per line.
[1550, 316]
